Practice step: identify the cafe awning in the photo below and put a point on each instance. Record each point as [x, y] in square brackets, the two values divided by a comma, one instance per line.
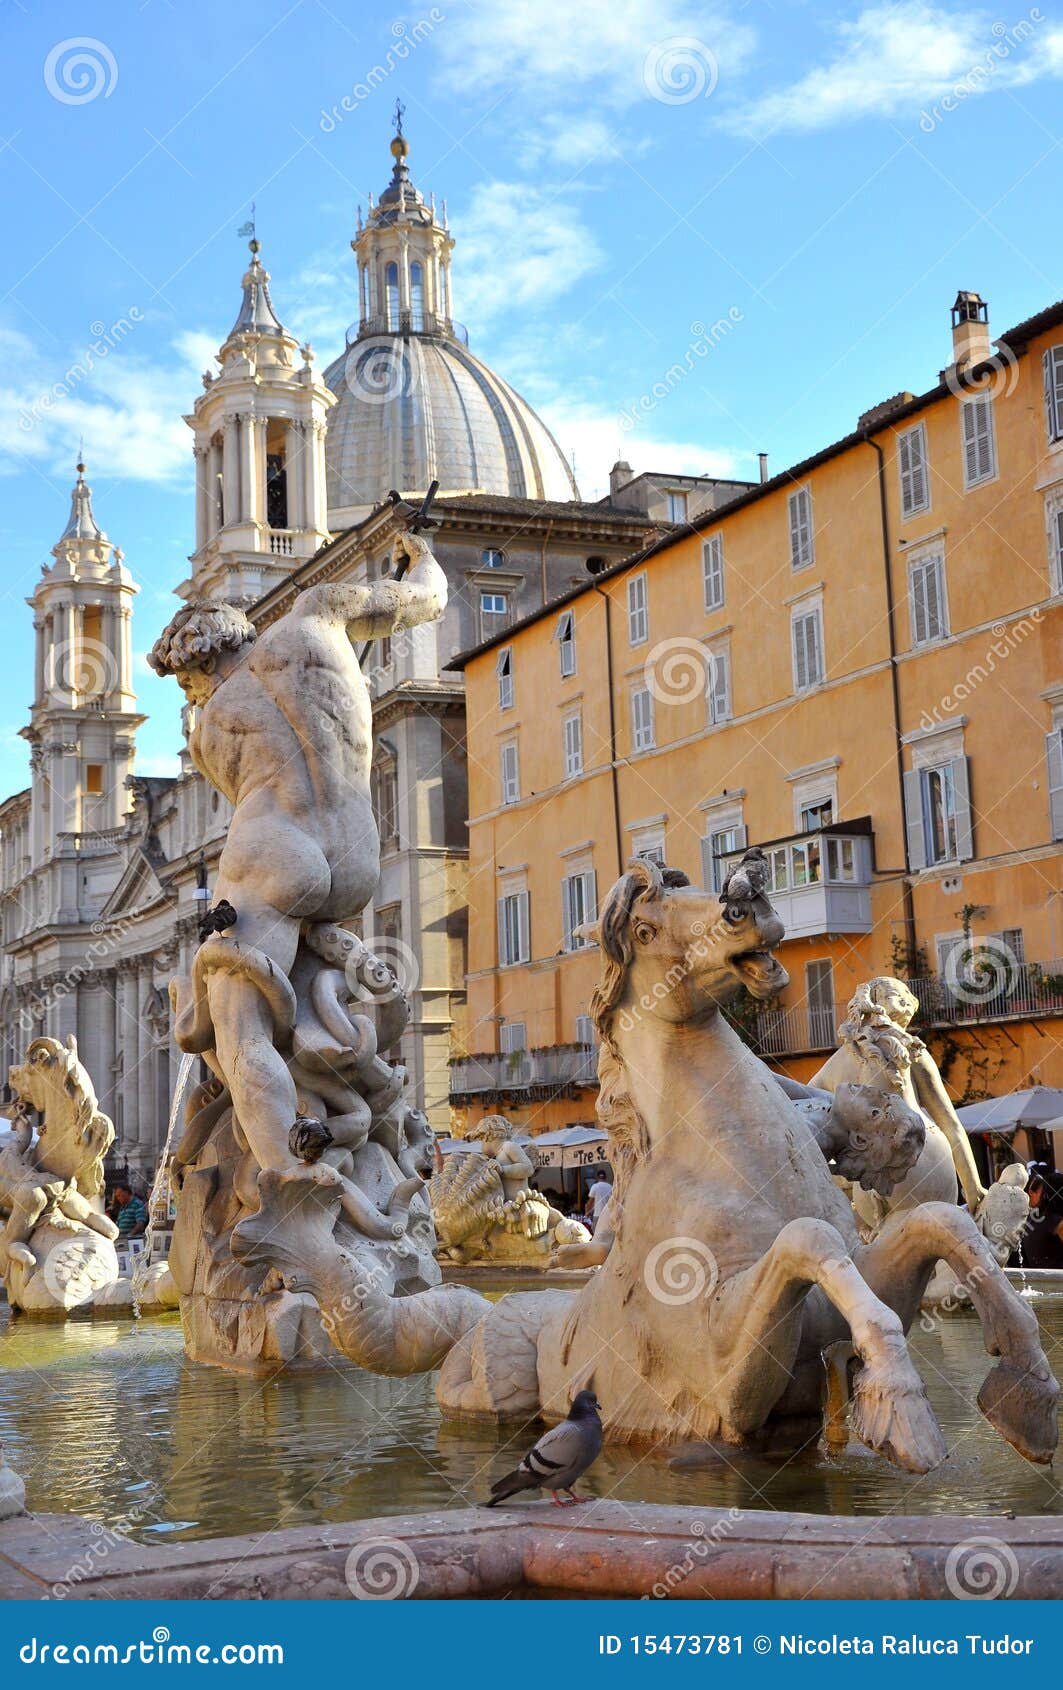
[569, 1147]
[1035, 1106]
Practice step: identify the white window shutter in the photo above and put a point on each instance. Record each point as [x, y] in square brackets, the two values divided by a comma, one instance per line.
[712, 571]
[1054, 756]
[913, 818]
[977, 417]
[500, 909]
[719, 697]
[800, 512]
[523, 927]
[590, 895]
[961, 787]
[1052, 364]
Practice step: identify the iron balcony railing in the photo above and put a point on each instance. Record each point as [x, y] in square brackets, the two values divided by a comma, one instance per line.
[785, 1032]
[509, 1071]
[988, 983]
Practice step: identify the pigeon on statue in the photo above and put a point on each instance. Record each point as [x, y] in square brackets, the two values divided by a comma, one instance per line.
[748, 878]
[560, 1458]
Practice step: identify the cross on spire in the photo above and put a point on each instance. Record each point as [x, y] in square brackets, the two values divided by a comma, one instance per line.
[400, 113]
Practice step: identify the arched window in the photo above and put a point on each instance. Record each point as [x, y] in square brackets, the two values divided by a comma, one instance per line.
[391, 290]
[444, 301]
[365, 292]
[416, 296]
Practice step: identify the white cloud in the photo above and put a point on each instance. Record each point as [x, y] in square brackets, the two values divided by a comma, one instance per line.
[554, 49]
[596, 440]
[900, 60]
[517, 249]
[127, 404]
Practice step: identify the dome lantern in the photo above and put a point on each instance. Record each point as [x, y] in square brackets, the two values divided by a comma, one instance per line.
[403, 255]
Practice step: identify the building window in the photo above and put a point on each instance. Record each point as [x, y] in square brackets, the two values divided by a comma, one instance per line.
[572, 732]
[802, 548]
[718, 844]
[979, 444]
[937, 812]
[385, 792]
[578, 900]
[94, 779]
[1054, 760]
[712, 571]
[514, 943]
[504, 669]
[638, 621]
[913, 470]
[652, 853]
[677, 507]
[510, 773]
[513, 1043]
[1055, 547]
[926, 586]
[391, 294]
[493, 604]
[820, 813]
[494, 609]
[584, 1030]
[1053, 372]
[719, 686]
[642, 733]
[806, 628]
[819, 995]
[417, 296]
[565, 635]
[491, 558]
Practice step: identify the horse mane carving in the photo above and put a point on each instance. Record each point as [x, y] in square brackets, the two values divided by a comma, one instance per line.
[74, 1135]
[642, 881]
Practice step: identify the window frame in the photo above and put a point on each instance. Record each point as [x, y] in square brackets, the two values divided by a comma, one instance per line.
[504, 672]
[802, 528]
[808, 612]
[518, 901]
[566, 643]
[509, 790]
[713, 545]
[586, 880]
[913, 505]
[969, 406]
[638, 614]
[639, 731]
[919, 568]
[572, 764]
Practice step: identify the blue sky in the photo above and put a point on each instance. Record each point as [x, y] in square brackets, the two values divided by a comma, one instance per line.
[620, 175]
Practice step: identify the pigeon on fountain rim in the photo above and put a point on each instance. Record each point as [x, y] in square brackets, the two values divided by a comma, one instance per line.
[560, 1458]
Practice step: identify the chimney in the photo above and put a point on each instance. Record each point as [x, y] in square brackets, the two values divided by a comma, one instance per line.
[970, 331]
[763, 456]
[619, 475]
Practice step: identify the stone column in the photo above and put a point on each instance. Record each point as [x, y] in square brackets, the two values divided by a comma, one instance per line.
[230, 469]
[39, 662]
[293, 463]
[128, 1034]
[201, 455]
[147, 1128]
[105, 1003]
[249, 511]
[404, 274]
[214, 470]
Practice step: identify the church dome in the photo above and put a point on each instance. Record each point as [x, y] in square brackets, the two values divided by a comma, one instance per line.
[414, 408]
[413, 403]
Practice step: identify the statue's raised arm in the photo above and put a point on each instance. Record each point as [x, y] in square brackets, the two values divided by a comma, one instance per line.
[372, 610]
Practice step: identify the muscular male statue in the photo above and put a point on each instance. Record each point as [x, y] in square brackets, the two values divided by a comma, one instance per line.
[283, 727]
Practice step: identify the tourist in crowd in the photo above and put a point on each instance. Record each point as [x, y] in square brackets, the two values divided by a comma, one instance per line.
[130, 1213]
[1042, 1241]
[597, 1197]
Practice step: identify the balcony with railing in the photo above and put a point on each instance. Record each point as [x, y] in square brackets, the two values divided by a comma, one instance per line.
[552, 1070]
[990, 984]
[428, 323]
[819, 882]
[789, 1032]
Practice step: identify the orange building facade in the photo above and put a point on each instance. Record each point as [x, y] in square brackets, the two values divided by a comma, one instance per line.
[856, 665]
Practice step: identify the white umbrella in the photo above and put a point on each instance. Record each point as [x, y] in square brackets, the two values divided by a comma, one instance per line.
[1036, 1106]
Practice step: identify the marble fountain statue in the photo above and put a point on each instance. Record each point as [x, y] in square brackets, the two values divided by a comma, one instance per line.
[486, 1210]
[303, 1225]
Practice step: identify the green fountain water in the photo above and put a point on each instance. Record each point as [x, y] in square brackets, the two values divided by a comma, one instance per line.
[113, 1422]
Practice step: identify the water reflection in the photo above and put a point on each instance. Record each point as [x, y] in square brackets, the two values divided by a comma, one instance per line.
[118, 1425]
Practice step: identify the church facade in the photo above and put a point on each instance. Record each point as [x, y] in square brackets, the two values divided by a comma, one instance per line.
[105, 874]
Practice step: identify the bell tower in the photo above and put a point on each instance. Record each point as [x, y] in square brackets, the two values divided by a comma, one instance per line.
[403, 252]
[84, 715]
[259, 429]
